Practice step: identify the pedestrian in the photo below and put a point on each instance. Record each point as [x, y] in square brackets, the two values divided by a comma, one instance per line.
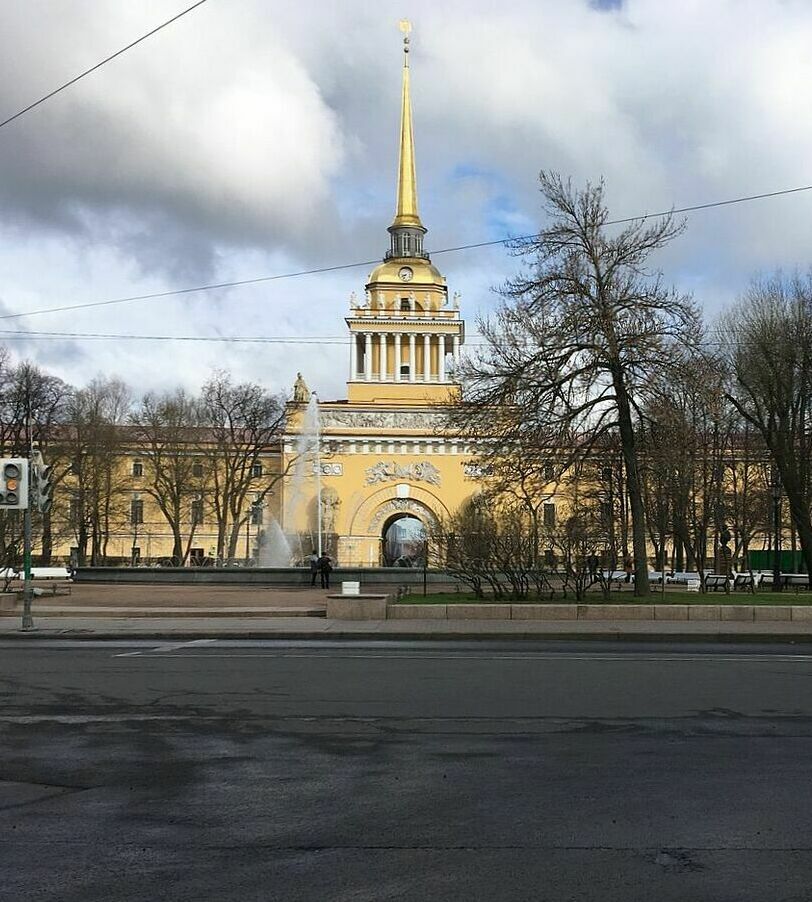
[628, 566]
[325, 566]
[593, 561]
[314, 568]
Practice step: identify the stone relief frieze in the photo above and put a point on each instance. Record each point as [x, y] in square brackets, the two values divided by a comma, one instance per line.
[477, 471]
[385, 419]
[401, 506]
[390, 471]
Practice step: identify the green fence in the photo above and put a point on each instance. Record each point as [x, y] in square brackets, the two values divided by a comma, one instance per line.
[790, 561]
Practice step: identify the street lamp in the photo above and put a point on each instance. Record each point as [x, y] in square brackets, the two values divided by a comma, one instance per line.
[776, 490]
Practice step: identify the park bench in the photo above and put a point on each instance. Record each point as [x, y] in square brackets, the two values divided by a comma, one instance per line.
[748, 581]
[714, 582]
[681, 577]
[47, 580]
[795, 581]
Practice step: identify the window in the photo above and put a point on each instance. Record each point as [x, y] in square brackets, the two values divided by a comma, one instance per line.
[73, 512]
[549, 557]
[197, 469]
[136, 512]
[197, 512]
[549, 472]
[256, 471]
[549, 515]
[404, 369]
[404, 304]
[256, 513]
[138, 468]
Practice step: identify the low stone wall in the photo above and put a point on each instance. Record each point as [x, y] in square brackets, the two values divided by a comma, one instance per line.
[357, 607]
[745, 613]
[284, 577]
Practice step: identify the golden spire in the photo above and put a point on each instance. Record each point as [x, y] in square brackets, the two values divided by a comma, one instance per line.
[406, 210]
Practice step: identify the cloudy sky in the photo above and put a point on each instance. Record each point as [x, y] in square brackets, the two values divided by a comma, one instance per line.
[258, 137]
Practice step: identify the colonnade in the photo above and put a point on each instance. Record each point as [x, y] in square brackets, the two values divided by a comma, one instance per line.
[404, 345]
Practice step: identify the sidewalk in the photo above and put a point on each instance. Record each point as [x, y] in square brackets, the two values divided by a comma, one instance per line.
[188, 628]
[158, 602]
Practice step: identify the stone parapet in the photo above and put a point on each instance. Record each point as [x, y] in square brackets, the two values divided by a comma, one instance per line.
[602, 612]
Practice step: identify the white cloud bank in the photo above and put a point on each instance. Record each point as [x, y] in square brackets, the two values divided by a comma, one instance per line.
[257, 137]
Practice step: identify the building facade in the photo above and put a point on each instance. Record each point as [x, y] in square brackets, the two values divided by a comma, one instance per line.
[385, 455]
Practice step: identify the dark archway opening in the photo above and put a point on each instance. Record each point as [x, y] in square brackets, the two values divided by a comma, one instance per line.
[404, 542]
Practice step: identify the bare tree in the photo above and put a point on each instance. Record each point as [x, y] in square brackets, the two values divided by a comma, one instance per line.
[88, 462]
[167, 428]
[579, 335]
[688, 427]
[243, 422]
[32, 409]
[747, 489]
[768, 344]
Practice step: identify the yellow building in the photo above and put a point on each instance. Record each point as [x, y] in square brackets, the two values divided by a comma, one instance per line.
[385, 456]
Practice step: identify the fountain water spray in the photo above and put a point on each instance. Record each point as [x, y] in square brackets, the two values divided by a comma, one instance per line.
[308, 462]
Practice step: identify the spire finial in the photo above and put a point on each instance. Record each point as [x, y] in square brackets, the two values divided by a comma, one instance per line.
[406, 27]
[406, 209]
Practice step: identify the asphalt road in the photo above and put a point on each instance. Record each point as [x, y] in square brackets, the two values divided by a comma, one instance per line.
[285, 771]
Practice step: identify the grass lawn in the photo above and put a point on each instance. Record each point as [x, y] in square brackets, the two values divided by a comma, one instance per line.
[672, 596]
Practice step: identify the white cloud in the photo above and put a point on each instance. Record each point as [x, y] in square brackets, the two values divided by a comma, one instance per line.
[255, 137]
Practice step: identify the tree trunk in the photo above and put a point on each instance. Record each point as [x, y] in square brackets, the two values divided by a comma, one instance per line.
[47, 540]
[800, 516]
[634, 487]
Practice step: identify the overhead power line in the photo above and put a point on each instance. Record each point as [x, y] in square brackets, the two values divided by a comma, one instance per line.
[341, 266]
[8, 334]
[106, 60]
[13, 335]
[474, 339]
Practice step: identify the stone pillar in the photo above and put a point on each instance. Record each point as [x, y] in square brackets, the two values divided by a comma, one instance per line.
[412, 357]
[397, 356]
[382, 358]
[456, 352]
[441, 357]
[353, 356]
[427, 357]
[368, 356]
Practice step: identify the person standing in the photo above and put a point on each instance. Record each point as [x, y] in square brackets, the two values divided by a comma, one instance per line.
[325, 566]
[314, 568]
[628, 566]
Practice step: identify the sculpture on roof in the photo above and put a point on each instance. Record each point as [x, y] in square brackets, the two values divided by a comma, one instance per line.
[301, 393]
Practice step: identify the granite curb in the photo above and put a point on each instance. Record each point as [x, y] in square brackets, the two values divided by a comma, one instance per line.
[645, 631]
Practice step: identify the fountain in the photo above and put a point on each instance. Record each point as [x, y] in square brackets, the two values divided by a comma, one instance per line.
[307, 463]
[273, 548]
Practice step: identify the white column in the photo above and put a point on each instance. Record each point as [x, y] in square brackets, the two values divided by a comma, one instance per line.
[368, 356]
[456, 352]
[412, 357]
[397, 356]
[353, 356]
[427, 357]
[382, 358]
[441, 357]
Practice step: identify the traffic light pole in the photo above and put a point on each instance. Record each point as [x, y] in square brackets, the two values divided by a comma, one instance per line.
[28, 589]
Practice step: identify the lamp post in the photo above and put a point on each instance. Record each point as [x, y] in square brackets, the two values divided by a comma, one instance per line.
[776, 489]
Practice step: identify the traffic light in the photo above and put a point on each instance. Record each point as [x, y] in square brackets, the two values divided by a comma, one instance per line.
[43, 484]
[13, 483]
